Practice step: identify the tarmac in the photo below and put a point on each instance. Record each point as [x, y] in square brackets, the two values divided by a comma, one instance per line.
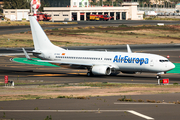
[96, 108]
[106, 107]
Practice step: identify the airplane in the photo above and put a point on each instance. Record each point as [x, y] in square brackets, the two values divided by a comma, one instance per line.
[95, 62]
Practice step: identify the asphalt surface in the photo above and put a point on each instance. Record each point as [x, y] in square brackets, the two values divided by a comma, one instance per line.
[18, 29]
[95, 107]
[77, 109]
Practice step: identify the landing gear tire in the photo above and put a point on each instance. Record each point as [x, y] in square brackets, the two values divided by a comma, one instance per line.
[89, 74]
[158, 76]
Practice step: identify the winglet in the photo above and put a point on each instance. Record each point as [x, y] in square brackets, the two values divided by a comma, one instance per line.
[128, 49]
[27, 56]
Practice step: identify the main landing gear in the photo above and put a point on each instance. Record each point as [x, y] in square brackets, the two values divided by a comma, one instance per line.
[89, 74]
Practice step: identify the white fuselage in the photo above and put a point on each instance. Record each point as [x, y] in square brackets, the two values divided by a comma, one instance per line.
[121, 61]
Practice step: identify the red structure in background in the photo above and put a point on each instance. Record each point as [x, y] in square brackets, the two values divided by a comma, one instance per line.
[43, 17]
[6, 79]
[35, 5]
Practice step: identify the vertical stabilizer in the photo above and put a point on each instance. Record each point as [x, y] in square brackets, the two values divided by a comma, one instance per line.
[40, 39]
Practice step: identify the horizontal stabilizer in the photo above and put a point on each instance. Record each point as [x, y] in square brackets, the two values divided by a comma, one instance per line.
[27, 56]
[34, 52]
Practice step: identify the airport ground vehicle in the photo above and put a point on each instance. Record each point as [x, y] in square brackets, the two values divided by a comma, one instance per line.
[98, 17]
[104, 17]
[43, 17]
[93, 17]
[150, 13]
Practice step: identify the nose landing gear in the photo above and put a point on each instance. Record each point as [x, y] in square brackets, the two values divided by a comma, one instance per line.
[158, 76]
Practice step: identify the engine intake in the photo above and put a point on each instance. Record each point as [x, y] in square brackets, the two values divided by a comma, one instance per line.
[101, 70]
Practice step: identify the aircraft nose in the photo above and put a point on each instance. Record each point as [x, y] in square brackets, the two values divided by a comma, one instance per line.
[171, 66]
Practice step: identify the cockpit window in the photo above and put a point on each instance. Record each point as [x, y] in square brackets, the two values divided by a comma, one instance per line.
[163, 60]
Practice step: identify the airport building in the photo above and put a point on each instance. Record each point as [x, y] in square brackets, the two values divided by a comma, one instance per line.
[16, 14]
[68, 10]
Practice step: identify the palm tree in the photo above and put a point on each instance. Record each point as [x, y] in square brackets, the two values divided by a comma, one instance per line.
[156, 3]
[119, 2]
[160, 3]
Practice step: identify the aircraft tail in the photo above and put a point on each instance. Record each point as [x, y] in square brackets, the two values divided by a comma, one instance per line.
[40, 39]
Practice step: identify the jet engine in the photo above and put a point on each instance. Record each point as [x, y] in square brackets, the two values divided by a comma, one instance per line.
[101, 70]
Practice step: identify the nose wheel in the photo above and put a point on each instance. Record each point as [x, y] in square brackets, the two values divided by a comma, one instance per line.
[158, 76]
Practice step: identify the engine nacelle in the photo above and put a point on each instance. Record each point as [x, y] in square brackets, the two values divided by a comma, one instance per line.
[114, 71]
[101, 70]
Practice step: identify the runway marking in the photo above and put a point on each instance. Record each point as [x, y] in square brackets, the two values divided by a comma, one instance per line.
[66, 74]
[129, 103]
[81, 111]
[77, 111]
[77, 73]
[46, 75]
[140, 115]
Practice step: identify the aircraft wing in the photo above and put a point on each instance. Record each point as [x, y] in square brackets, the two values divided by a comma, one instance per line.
[66, 63]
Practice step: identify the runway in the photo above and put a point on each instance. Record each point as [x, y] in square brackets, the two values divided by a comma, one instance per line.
[93, 108]
[96, 108]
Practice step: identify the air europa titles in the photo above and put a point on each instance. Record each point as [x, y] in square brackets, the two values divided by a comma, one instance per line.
[127, 59]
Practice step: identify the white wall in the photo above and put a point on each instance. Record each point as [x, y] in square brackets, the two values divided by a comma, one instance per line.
[16, 14]
[60, 15]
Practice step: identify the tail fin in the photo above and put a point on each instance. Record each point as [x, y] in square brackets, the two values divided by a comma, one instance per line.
[40, 39]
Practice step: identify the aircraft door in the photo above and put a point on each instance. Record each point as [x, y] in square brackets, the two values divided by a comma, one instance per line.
[151, 63]
[166, 64]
